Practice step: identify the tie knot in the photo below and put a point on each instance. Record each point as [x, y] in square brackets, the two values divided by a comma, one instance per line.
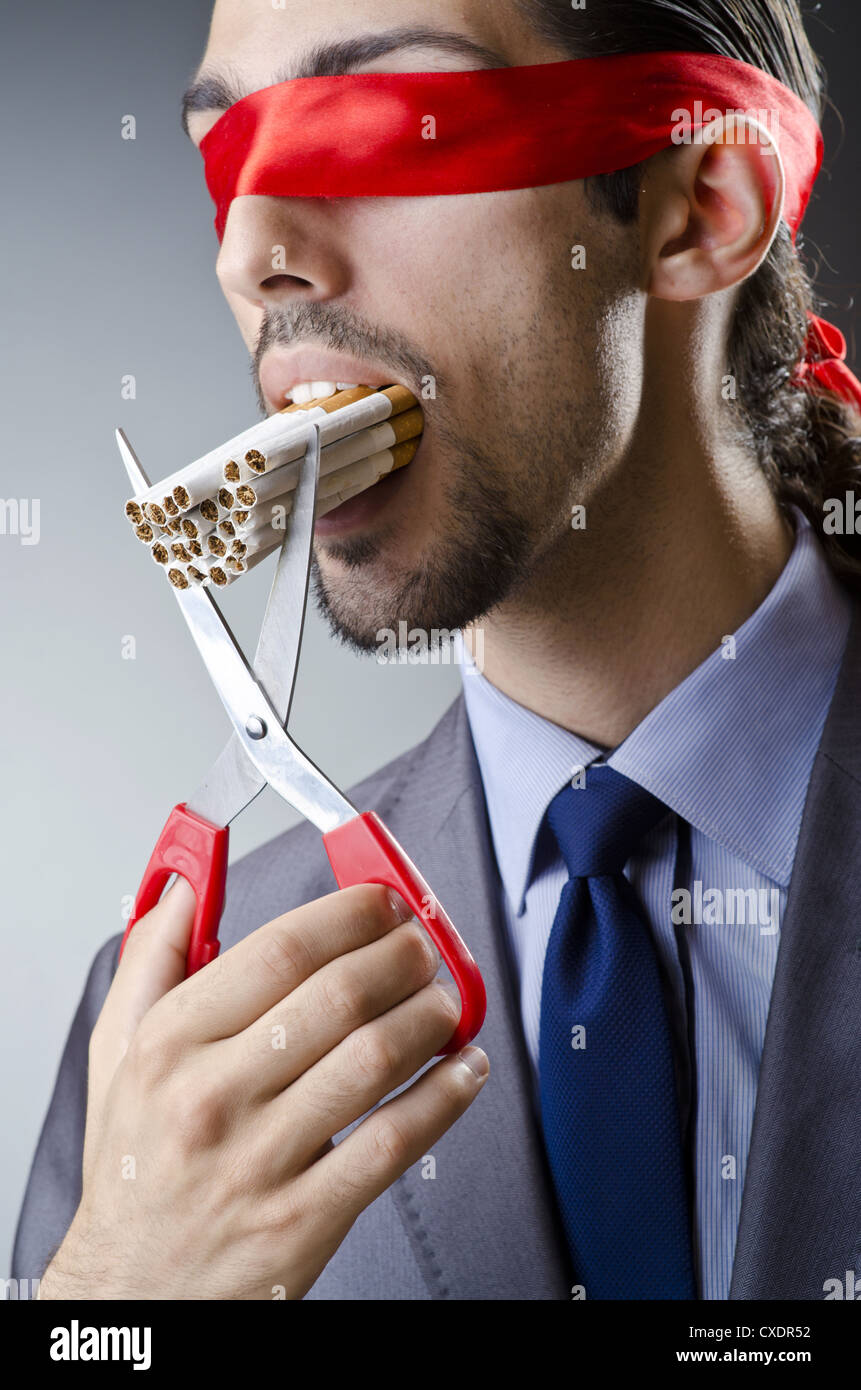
[599, 825]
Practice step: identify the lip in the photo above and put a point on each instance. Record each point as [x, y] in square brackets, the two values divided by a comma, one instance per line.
[281, 370]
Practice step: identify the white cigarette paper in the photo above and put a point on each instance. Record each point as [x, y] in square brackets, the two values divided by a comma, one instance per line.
[221, 516]
[279, 439]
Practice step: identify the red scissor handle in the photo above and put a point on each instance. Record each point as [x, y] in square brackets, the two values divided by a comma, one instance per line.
[189, 846]
[364, 851]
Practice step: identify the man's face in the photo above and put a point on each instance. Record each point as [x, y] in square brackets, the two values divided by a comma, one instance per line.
[476, 292]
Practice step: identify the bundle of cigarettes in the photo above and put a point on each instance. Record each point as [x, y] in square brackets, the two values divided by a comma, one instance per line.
[221, 515]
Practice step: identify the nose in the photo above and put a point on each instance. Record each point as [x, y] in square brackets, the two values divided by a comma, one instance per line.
[280, 249]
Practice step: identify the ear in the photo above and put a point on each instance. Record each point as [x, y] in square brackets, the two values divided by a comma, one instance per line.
[709, 211]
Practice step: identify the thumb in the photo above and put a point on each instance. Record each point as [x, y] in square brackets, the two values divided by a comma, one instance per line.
[152, 964]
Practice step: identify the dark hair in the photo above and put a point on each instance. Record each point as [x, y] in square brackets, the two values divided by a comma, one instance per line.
[808, 445]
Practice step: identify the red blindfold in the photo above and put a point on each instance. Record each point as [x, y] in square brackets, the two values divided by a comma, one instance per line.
[438, 133]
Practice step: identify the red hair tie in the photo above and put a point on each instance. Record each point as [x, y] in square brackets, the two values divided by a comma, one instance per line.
[823, 367]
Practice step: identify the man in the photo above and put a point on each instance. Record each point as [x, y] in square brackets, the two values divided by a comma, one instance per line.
[644, 815]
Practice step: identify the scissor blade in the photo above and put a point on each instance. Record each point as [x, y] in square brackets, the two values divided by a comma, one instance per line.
[233, 781]
[273, 756]
[231, 784]
[138, 479]
[283, 765]
[277, 658]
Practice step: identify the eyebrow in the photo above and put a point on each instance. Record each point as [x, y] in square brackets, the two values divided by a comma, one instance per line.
[217, 90]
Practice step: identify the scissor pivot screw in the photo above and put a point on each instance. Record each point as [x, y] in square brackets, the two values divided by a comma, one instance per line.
[255, 727]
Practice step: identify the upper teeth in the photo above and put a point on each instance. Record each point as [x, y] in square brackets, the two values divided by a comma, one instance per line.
[305, 391]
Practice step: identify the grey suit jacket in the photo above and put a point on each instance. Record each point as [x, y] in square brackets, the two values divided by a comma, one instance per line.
[485, 1226]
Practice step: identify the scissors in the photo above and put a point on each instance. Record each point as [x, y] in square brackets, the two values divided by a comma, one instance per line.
[260, 753]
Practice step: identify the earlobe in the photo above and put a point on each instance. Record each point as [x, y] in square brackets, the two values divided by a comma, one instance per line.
[709, 211]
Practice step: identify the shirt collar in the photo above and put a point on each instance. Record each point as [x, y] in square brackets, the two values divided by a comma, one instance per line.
[730, 749]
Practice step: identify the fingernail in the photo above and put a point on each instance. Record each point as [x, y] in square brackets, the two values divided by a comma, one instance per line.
[476, 1060]
[402, 913]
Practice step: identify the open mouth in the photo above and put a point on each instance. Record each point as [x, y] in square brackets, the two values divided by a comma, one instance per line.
[308, 378]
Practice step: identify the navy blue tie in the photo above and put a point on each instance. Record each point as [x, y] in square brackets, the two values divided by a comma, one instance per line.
[608, 1094]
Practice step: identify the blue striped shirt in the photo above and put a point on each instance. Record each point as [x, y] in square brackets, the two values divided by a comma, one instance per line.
[730, 752]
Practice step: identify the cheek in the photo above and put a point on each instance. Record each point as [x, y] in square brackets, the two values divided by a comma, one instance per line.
[464, 277]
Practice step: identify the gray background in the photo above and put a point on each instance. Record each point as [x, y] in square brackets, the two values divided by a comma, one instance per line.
[107, 269]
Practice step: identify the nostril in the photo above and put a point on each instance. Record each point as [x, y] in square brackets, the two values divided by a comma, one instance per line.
[273, 283]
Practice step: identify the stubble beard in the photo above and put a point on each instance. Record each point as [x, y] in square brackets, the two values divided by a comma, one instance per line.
[474, 558]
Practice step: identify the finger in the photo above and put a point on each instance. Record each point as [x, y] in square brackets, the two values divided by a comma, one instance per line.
[258, 972]
[380, 1150]
[339, 998]
[153, 962]
[360, 1072]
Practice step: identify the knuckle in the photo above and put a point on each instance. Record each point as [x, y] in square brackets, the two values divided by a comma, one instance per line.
[282, 955]
[196, 1113]
[389, 1143]
[152, 1052]
[373, 1054]
[343, 996]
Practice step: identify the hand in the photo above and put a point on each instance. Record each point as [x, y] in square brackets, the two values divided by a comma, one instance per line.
[209, 1171]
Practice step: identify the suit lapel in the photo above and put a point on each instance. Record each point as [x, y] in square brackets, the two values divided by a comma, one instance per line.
[484, 1225]
[800, 1219]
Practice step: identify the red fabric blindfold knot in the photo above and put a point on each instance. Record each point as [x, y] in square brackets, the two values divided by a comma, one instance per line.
[440, 133]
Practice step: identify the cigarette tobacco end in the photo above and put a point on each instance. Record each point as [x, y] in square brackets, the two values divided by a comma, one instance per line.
[177, 579]
[170, 506]
[134, 513]
[231, 471]
[209, 509]
[181, 497]
[144, 532]
[246, 495]
[160, 554]
[217, 576]
[256, 461]
[225, 498]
